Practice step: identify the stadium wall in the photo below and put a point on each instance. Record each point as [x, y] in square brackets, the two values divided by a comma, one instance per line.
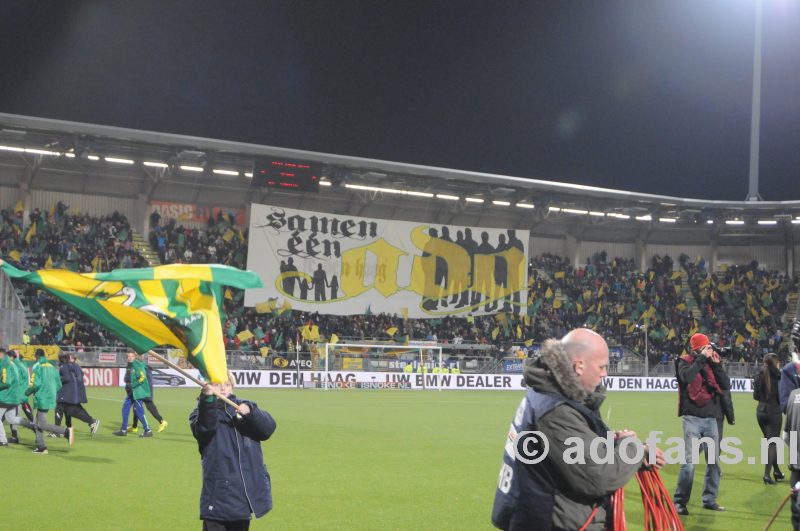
[87, 204]
[540, 245]
[587, 249]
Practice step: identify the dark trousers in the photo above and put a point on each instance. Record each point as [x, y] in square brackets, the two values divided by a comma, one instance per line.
[72, 410]
[770, 425]
[235, 525]
[151, 407]
[795, 477]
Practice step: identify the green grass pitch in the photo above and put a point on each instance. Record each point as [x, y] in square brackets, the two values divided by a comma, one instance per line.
[341, 460]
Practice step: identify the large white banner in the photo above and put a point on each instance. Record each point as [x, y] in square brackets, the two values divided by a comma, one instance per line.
[347, 265]
[399, 380]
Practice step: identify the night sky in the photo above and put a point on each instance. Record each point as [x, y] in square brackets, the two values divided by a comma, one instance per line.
[647, 96]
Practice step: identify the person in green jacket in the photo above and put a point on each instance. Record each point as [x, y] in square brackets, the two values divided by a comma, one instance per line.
[139, 390]
[45, 383]
[12, 386]
[23, 382]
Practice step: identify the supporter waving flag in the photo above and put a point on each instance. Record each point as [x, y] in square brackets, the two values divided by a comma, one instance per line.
[176, 305]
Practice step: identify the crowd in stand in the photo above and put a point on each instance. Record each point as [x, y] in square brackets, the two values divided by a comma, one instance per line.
[742, 306]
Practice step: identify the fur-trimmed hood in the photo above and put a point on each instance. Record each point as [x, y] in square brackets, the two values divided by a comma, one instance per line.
[552, 372]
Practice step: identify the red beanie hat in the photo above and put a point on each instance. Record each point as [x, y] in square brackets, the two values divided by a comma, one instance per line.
[698, 341]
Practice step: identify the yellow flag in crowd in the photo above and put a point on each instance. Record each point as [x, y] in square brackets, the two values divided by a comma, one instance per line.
[750, 328]
[31, 233]
[676, 275]
[671, 333]
[501, 318]
[19, 208]
[549, 293]
[49, 263]
[228, 294]
[559, 274]
[245, 335]
[557, 304]
[228, 236]
[265, 307]
[495, 332]
[334, 339]
[391, 331]
[68, 328]
[404, 312]
[264, 351]
[528, 342]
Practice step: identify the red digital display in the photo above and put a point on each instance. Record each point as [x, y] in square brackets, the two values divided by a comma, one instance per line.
[287, 174]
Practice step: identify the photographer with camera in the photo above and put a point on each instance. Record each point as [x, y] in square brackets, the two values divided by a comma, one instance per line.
[790, 379]
[702, 382]
[789, 391]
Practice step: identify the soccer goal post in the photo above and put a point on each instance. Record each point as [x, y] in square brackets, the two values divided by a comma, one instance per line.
[380, 366]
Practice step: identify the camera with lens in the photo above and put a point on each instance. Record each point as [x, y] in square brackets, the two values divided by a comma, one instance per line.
[724, 352]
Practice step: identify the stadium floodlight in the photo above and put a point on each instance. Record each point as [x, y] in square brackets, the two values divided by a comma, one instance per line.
[447, 197]
[618, 215]
[501, 203]
[734, 222]
[69, 155]
[249, 174]
[667, 220]
[524, 205]
[767, 222]
[473, 200]
[153, 164]
[192, 168]
[554, 209]
[225, 172]
[597, 214]
[575, 211]
[12, 148]
[92, 157]
[417, 194]
[45, 152]
[796, 220]
[646, 217]
[323, 183]
[709, 222]
[118, 160]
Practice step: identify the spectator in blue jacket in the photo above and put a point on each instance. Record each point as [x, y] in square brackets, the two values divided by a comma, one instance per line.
[790, 375]
[72, 394]
[236, 483]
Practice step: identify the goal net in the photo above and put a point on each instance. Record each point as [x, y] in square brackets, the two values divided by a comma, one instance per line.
[377, 366]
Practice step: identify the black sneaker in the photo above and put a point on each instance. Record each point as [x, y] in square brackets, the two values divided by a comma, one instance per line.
[14, 440]
[713, 506]
[147, 433]
[121, 433]
[40, 450]
[681, 509]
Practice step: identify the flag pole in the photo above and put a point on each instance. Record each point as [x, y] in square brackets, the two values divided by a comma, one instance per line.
[168, 363]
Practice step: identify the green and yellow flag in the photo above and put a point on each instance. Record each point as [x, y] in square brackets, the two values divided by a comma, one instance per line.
[177, 305]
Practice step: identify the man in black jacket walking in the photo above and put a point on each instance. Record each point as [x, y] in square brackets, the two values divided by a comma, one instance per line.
[72, 394]
[231, 436]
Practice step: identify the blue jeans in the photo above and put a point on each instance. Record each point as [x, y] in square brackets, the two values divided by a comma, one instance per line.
[138, 411]
[693, 429]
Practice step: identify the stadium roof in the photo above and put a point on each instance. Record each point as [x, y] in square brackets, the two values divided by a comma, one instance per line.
[75, 157]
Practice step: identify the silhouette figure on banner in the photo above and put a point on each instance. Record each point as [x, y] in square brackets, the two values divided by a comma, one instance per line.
[320, 282]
